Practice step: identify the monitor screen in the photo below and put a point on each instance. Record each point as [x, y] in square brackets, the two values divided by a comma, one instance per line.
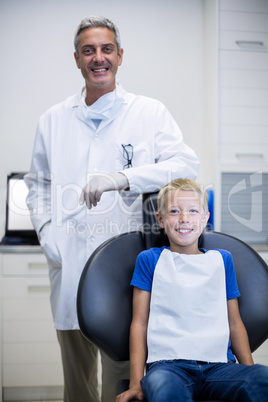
[18, 212]
[19, 227]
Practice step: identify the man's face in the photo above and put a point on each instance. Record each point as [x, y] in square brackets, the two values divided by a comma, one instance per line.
[98, 58]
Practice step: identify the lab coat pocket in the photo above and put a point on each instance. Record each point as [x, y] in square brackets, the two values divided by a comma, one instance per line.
[49, 245]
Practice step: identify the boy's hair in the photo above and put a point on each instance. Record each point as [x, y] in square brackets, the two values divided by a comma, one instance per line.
[183, 185]
[96, 21]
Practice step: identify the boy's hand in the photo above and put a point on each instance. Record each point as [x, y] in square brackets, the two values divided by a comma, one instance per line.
[129, 395]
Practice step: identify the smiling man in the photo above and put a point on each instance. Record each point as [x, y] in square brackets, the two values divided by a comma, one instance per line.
[94, 155]
[98, 56]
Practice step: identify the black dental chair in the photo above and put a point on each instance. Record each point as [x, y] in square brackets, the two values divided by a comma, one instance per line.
[104, 299]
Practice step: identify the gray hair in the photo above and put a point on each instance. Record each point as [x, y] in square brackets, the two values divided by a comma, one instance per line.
[96, 21]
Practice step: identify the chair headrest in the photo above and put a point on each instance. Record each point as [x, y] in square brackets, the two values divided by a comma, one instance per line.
[154, 236]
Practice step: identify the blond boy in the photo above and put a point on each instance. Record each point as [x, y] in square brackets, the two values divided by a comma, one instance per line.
[186, 324]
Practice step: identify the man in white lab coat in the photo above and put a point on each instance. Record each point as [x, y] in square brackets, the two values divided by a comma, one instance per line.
[94, 155]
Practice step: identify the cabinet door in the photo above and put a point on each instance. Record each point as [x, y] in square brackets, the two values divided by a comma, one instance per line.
[244, 135]
[243, 5]
[244, 97]
[243, 79]
[244, 40]
[243, 21]
[20, 264]
[246, 60]
[31, 354]
[243, 157]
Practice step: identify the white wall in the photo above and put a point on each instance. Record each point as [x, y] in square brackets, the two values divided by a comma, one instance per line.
[164, 58]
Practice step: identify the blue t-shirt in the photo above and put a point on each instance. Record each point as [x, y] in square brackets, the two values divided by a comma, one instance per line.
[146, 263]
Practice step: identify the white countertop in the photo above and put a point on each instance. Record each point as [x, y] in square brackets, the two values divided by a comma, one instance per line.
[5, 248]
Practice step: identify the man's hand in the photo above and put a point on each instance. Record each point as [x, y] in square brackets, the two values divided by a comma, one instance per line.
[129, 395]
[92, 192]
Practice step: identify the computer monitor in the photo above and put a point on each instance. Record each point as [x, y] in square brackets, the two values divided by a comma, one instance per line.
[19, 228]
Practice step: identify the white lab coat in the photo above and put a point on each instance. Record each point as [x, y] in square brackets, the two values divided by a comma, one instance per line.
[68, 149]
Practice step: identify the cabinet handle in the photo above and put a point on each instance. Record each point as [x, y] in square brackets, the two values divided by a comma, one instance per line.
[37, 265]
[246, 43]
[249, 156]
[38, 287]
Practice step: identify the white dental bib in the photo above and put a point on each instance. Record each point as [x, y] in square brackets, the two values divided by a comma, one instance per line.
[188, 310]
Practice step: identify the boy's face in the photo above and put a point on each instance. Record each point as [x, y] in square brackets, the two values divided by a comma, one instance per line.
[183, 219]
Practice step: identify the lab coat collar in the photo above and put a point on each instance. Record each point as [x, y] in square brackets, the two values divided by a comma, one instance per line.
[77, 103]
[75, 100]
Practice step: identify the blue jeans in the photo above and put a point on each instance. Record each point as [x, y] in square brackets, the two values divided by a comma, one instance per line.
[189, 380]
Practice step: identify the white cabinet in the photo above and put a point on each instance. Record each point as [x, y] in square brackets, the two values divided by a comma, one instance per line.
[243, 119]
[243, 125]
[31, 363]
[243, 85]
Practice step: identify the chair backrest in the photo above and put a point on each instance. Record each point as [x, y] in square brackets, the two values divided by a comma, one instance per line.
[104, 299]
